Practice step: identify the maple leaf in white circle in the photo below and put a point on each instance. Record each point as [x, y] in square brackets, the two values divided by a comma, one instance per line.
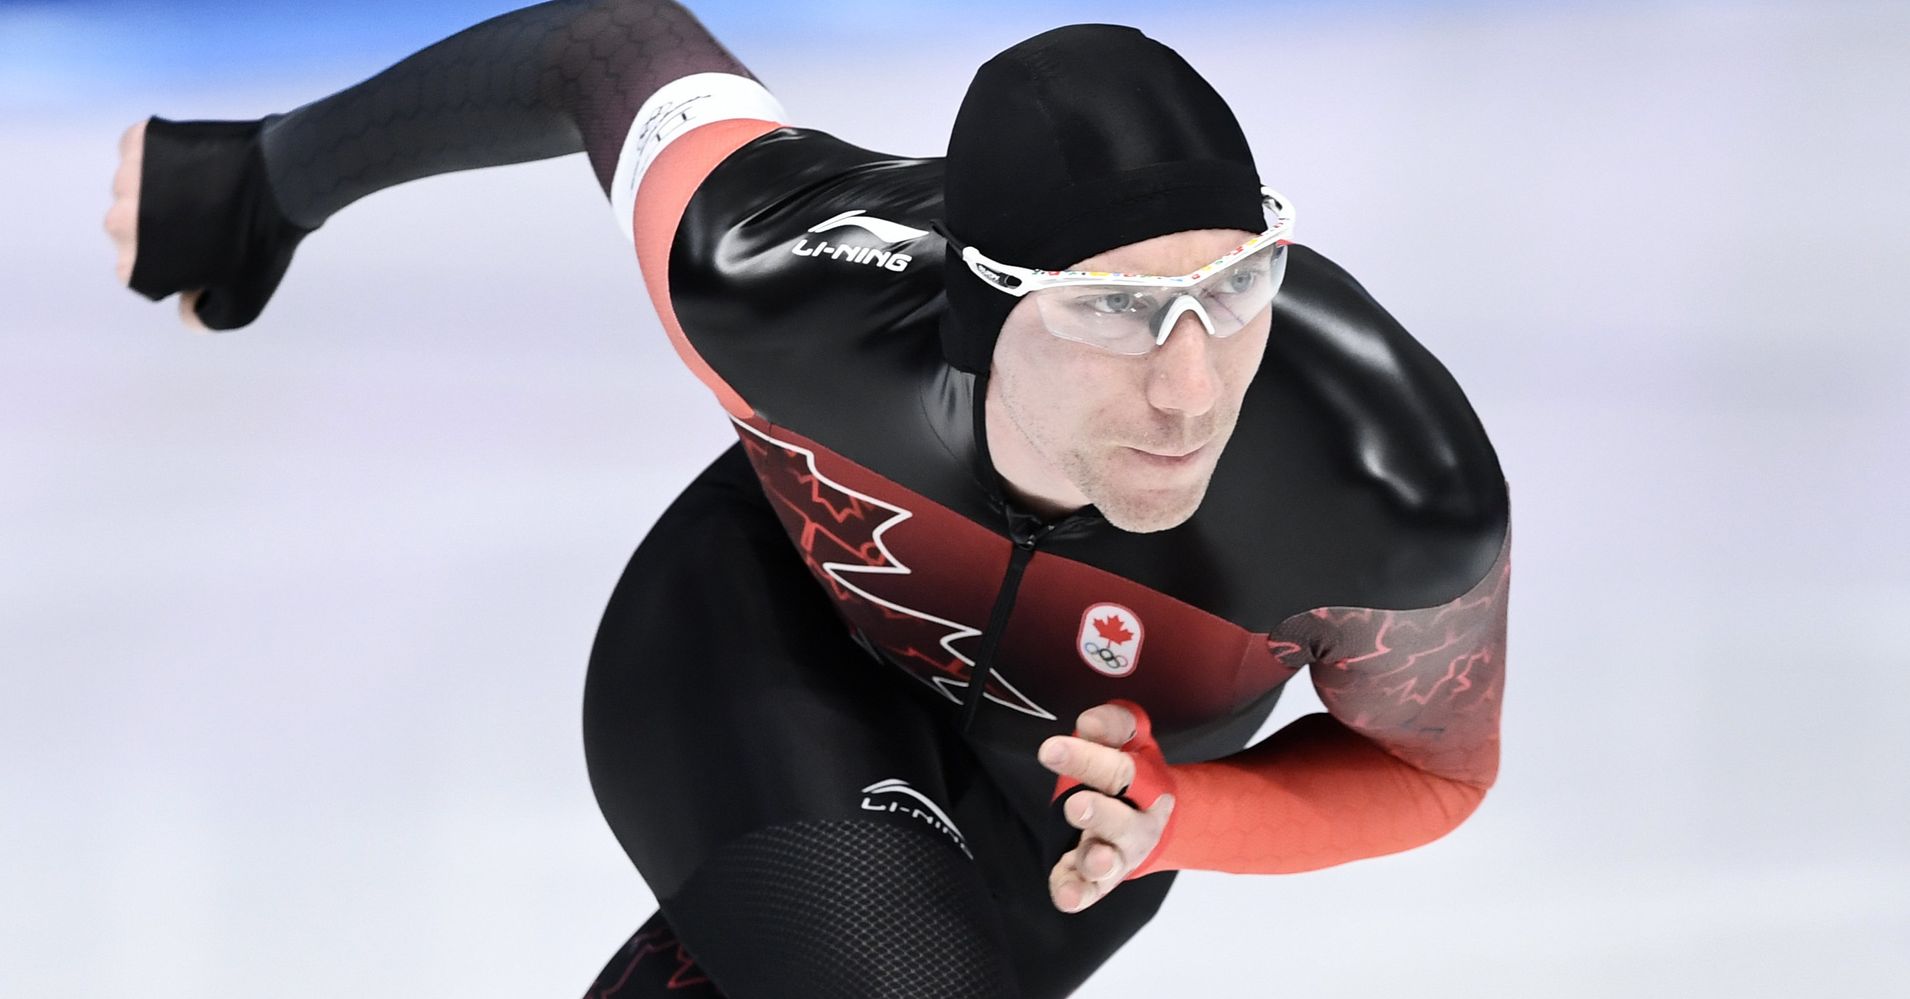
[1110, 628]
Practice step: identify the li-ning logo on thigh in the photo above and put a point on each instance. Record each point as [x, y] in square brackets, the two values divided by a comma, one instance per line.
[905, 800]
[1110, 639]
[885, 230]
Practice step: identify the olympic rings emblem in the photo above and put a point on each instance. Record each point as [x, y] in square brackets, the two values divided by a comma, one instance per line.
[1115, 661]
[1109, 639]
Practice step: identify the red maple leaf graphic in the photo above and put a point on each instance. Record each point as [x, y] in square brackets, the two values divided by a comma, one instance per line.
[1110, 629]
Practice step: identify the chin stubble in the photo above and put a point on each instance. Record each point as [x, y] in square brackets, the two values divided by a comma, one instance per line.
[1135, 511]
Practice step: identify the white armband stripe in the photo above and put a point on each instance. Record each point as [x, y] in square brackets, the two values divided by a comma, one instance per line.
[681, 105]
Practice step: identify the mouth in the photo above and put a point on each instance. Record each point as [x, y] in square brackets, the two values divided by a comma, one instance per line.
[1168, 459]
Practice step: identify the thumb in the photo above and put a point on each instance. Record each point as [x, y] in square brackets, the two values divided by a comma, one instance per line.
[188, 310]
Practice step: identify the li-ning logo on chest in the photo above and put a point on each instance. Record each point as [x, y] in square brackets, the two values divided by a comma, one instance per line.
[888, 232]
[1110, 639]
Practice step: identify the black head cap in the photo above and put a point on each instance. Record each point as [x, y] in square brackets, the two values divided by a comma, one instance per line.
[1071, 143]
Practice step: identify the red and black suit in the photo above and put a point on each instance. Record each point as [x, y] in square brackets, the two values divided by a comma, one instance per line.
[815, 696]
[1357, 522]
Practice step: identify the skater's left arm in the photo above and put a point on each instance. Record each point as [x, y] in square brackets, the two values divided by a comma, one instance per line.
[1406, 750]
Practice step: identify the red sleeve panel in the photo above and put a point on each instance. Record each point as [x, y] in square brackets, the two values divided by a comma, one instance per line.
[1405, 753]
[666, 189]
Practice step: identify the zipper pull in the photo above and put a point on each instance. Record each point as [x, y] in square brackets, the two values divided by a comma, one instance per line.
[1027, 540]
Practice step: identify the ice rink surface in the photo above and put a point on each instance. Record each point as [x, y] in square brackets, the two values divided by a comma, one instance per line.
[293, 621]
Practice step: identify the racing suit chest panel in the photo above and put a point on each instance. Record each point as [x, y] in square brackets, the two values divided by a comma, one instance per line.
[919, 583]
[1358, 475]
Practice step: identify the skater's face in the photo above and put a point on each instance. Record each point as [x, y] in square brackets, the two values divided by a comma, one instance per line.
[1137, 436]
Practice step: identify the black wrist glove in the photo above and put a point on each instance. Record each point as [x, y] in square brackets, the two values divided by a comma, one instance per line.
[208, 219]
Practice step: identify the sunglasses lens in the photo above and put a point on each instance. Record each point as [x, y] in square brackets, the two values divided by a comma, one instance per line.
[1123, 318]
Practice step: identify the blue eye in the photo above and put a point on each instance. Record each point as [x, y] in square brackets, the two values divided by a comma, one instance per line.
[1244, 278]
[1117, 303]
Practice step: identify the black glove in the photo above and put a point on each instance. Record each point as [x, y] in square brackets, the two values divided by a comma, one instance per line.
[208, 219]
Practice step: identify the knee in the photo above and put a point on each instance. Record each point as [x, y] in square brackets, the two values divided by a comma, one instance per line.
[844, 908]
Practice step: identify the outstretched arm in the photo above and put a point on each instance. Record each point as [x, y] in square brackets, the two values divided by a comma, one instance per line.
[542, 81]
[215, 209]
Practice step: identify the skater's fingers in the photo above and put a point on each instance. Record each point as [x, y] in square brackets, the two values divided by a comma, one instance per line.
[187, 301]
[1100, 816]
[132, 153]
[122, 218]
[1067, 889]
[1101, 863]
[1107, 724]
[1100, 767]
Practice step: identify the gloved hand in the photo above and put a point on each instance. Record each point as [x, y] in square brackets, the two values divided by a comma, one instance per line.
[193, 212]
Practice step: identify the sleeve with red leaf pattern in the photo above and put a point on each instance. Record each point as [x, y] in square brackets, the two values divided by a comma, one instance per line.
[1405, 752]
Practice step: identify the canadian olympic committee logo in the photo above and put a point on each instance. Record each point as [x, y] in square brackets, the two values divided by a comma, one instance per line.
[1110, 639]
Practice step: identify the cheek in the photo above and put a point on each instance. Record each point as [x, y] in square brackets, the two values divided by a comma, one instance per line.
[1100, 401]
[1062, 390]
[1243, 358]
[1070, 398]
[1066, 401]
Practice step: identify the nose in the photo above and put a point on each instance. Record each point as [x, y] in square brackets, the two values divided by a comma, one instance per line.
[1182, 373]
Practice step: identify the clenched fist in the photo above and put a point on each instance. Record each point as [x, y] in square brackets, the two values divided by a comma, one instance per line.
[122, 220]
[194, 213]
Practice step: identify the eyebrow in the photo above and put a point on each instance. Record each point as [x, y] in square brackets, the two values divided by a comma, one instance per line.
[1202, 262]
[1122, 269]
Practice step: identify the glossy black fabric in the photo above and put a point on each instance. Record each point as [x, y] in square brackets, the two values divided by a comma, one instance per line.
[725, 697]
[1358, 474]
[731, 724]
[1075, 141]
[1358, 465]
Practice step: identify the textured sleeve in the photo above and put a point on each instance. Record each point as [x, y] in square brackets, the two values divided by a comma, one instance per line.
[542, 81]
[1405, 752]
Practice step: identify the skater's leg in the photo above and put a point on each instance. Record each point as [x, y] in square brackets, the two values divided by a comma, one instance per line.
[747, 753]
[652, 964]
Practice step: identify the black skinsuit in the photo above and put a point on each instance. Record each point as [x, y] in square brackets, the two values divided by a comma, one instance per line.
[813, 821]
[1357, 478]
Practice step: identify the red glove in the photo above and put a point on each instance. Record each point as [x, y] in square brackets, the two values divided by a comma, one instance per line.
[1153, 777]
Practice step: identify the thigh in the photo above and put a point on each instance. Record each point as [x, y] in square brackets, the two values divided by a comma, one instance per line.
[789, 799]
[785, 796]
[725, 694]
[1017, 837]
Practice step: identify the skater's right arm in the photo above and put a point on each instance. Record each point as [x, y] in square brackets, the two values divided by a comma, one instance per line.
[219, 206]
[543, 81]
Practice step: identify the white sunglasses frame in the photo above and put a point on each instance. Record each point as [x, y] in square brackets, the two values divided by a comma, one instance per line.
[1019, 281]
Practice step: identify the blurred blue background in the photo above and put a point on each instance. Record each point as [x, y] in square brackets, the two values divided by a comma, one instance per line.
[53, 52]
[293, 621]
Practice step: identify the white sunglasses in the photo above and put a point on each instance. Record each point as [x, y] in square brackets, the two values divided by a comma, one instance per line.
[1132, 314]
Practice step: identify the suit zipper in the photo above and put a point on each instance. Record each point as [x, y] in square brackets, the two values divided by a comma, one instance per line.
[1024, 551]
